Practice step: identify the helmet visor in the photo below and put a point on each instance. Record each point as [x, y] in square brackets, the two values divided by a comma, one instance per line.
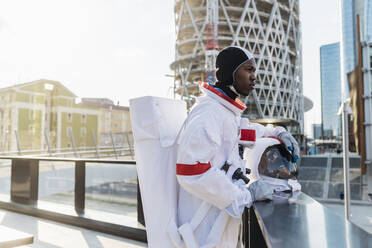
[276, 162]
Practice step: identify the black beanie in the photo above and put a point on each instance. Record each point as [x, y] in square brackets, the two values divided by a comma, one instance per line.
[228, 62]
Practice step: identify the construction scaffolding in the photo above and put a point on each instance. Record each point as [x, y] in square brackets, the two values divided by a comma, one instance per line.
[268, 28]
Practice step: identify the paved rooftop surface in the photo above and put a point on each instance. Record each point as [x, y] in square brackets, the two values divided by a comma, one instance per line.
[53, 234]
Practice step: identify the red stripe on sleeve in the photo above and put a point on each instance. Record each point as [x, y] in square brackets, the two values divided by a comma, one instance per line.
[248, 135]
[192, 169]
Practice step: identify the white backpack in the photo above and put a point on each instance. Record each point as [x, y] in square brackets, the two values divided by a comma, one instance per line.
[156, 123]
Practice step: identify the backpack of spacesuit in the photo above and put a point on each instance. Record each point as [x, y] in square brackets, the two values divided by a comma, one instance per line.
[156, 123]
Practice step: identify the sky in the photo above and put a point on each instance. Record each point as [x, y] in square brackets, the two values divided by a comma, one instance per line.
[321, 25]
[121, 49]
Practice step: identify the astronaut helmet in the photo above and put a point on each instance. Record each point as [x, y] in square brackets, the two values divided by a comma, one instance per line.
[270, 160]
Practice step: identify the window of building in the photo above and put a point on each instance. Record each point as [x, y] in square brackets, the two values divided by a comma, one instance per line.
[33, 99]
[68, 131]
[69, 117]
[83, 132]
[31, 129]
[49, 86]
[69, 145]
[83, 118]
[31, 114]
[54, 116]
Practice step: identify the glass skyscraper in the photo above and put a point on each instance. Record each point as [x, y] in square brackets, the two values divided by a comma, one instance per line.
[348, 46]
[330, 76]
[317, 131]
[368, 20]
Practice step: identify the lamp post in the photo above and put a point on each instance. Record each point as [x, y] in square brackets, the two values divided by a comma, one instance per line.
[345, 111]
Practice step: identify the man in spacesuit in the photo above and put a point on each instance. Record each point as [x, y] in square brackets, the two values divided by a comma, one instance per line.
[210, 139]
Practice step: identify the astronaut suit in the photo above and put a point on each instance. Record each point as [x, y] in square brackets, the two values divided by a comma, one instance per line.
[210, 137]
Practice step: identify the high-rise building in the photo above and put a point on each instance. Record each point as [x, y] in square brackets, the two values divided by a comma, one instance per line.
[317, 131]
[330, 88]
[269, 29]
[347, 45]
[349, 10]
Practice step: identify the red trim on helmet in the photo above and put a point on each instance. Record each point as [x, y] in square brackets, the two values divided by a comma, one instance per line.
[248, 135]
[192, 169]
[281, 142]
[237, 103]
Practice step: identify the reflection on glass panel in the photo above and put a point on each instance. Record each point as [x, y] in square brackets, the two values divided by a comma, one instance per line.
[112, 188]
[5, 169]
[56, 182]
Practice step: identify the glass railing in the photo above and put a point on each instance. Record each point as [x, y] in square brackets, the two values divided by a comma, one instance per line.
[96, 194]
[56, 182]
[5, 172]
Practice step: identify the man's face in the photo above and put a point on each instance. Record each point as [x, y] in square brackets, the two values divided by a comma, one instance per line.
[245, 78]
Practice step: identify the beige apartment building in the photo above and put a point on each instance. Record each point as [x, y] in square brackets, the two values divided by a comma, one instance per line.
[114, 121]
[45, 114]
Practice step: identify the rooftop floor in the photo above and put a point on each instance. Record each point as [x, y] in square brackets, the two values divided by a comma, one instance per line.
[53, 234]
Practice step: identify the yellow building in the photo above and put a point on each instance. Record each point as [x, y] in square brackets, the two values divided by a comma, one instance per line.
[44, 113]
[114, 121]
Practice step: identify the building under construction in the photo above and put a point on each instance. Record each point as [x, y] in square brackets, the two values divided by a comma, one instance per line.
[268, 28]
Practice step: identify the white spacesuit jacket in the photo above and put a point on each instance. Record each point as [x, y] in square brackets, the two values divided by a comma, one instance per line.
[209, 139]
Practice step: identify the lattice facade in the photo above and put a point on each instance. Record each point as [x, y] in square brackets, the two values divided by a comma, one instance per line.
[268, 28]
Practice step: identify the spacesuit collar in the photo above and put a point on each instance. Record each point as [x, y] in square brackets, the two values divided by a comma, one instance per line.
[236, 106]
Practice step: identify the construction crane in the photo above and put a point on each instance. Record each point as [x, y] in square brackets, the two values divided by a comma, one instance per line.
[211, 47]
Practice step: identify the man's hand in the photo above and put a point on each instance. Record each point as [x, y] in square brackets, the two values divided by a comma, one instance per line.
[261, 191]
[291, 144]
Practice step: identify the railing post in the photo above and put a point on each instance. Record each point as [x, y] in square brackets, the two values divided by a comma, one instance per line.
[253, 236]
[95, 142]
[129, 145]
[18, 143]
[245, 227]
[113, 145]
[345, 147]
[24, 186]
[73, 142]
[47, 141]
[80, 186]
